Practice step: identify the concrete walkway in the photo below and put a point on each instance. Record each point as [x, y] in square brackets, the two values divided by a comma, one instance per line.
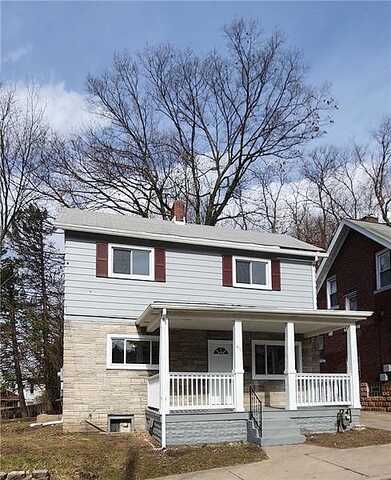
[307, 462]
[376, 419]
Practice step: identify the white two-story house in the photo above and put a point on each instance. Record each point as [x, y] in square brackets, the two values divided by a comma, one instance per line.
[196, 333]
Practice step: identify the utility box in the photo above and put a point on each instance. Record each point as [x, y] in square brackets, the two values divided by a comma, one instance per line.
[387, 367]
[383, 377]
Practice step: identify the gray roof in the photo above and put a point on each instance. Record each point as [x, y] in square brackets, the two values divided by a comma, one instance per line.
[379, 230]
[131, 226]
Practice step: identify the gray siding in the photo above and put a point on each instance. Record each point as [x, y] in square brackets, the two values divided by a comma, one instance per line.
[191, 277]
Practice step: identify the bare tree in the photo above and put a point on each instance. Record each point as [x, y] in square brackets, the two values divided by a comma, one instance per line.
[179, 124]
[22, 135]
[376, 162]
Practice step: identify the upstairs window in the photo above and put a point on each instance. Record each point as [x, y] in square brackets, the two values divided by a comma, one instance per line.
[133, 352]
[131, 262]
[332, 301]
[251, 273]
[383, 268]
[351, 301]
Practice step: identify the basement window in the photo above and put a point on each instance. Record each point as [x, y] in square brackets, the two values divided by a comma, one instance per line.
[120, 423]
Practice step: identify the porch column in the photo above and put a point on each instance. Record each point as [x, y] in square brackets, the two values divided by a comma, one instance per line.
[352, 365]
[238, 365]
[164, 370]
[290, 366]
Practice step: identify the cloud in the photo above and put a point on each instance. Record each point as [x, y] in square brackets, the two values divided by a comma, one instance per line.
[15, 55]
[66, 111]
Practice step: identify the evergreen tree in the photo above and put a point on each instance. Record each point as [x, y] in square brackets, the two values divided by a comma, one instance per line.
[41, 265]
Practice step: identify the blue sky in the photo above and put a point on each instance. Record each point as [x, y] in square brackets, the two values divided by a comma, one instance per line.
[345, 43]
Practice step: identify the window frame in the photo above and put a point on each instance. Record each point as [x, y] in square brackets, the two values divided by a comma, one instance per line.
[112, 274]
[129, 366]
[299, 366]
[328, 293]
[349, 297]
[378, 281]
[268, 262]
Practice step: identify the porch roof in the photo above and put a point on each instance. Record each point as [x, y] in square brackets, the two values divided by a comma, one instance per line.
[203, 316]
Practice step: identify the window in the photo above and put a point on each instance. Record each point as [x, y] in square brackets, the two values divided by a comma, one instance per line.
[351, 301]
[268, 359]
[132, 352]
[251, 273]
[120, 424]
[131, 262]
[332, 293]
[383, 268]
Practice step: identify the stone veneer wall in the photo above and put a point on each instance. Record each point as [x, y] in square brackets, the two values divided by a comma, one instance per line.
[92, 392]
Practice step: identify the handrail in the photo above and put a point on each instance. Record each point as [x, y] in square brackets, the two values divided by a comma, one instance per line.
[256, 410]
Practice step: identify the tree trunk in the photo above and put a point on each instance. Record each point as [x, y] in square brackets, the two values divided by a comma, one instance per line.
[18, 371]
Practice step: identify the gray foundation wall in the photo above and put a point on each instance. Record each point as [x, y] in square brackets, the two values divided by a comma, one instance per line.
[194, 429]
[322, 419]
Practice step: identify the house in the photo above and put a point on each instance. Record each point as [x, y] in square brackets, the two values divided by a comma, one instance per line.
[356, 275]
[196, 333]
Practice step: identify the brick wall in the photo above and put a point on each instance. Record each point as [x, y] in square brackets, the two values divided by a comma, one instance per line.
[379, 403]
[355, 269]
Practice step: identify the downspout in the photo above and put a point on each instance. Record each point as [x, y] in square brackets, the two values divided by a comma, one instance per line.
[314, 294]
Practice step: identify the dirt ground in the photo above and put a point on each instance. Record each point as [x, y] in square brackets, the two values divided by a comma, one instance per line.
[94, 456]
[351, 438]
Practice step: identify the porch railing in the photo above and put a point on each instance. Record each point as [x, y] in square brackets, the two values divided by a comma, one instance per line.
[197, 391]
[317, 389]
[256, 410]
[154, 391]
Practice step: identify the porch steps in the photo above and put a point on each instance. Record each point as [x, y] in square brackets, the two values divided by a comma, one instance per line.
[278, 429]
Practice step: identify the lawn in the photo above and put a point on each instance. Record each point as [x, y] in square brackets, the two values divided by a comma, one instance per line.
[351, 438]
[78, 456]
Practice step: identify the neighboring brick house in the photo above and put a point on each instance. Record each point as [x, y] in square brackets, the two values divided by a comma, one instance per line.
[357, 276]
[190, 330]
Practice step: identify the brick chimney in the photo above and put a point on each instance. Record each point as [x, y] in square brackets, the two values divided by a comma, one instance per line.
[178, 211]
[370, 219]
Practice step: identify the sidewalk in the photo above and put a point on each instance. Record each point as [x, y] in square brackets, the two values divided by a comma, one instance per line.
[307, 462]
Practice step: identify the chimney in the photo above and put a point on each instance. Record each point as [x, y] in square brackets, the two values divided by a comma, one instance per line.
[178, 211]
[370, 219]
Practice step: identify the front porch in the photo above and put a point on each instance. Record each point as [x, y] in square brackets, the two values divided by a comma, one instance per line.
[247, 350]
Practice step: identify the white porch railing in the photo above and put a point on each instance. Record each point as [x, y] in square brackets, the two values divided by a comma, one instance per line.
[154, 391]
[197, 391]
[317, 389]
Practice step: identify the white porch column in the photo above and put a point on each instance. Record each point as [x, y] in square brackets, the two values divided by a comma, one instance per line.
[164, 370]
[290, 366]
[352, 365]
[238, 365]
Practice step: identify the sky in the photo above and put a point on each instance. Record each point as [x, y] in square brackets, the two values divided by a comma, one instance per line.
[57, 44]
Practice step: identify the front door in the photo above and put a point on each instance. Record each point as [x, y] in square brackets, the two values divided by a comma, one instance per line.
[220, 356]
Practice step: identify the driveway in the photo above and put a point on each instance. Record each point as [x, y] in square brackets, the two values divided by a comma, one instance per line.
[307, 462]
[376, 419]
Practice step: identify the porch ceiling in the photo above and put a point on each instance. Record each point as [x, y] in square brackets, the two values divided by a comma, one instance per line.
[193, 316]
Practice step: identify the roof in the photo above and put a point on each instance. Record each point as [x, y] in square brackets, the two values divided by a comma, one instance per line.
[378, 232]
[308, 322]
[164, 230]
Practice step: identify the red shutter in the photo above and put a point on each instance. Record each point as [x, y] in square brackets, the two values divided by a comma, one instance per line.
[227, 270]
[102, 259]
[160, 265]
[276, 275]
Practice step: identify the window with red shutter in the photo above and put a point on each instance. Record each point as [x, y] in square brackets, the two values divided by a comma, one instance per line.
[160, 265]
[276, 274]
[102, 260]
[227, 270]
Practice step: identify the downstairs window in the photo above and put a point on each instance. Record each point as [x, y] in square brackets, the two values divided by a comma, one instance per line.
[132, 352]
[268, 359]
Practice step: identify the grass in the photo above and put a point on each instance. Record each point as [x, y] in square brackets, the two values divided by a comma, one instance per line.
[351, 438]
[94, 456]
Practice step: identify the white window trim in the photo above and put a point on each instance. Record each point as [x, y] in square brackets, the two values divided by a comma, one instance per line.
[328, 281]
[268, 262]
[378, 255]
[348, 298]
[299, 366]
[128, 366]
[149, 277]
